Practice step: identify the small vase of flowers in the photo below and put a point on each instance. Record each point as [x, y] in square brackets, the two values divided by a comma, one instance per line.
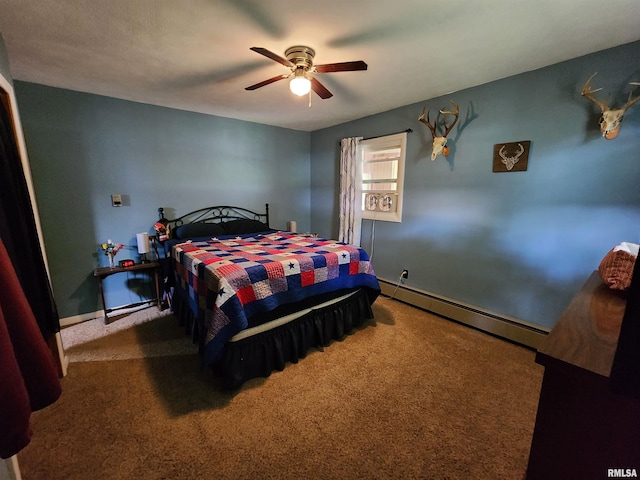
[110, 249]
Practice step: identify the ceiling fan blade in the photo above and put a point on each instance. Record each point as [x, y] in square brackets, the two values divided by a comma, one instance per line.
[341, 67]
[272, 56]
[320, 89]
[267, 82]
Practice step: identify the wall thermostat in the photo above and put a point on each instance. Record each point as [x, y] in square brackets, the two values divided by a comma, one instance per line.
[116, 200]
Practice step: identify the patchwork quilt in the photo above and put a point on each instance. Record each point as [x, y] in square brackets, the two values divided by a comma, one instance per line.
[232, 279]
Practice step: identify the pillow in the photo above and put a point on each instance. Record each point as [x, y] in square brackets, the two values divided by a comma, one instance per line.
[238, 227]
[616, 268]
[196, 230]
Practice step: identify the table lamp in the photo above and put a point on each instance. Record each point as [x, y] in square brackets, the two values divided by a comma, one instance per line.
[144, 246]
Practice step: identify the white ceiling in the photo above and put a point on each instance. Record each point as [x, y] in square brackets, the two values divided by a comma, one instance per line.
[194, 54]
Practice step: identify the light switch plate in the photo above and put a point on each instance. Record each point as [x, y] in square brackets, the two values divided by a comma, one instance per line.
[116, 200]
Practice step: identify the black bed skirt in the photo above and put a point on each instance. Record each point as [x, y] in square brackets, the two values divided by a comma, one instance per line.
[261, 354]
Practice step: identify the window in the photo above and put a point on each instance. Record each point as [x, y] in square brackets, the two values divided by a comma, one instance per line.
[383, 177]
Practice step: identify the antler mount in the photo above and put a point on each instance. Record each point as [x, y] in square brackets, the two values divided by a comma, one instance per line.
[611, 118]
[440, 142]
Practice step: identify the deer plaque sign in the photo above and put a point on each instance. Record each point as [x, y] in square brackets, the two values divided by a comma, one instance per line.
[511, 157]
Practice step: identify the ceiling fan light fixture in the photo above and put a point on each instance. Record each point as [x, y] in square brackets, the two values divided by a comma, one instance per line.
[300, 84]
[300, 61]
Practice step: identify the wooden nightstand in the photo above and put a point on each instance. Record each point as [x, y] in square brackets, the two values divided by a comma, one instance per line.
[102, 272]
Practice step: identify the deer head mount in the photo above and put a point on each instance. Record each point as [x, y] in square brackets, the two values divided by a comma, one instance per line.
[611, 119]
[440, 142]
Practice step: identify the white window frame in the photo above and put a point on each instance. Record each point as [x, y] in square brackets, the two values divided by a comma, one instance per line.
[397, 140]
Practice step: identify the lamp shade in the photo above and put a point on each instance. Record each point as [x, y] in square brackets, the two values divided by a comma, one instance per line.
[143, 243]
[300, 85]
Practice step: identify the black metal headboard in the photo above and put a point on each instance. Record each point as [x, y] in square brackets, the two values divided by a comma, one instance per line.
[216, 214]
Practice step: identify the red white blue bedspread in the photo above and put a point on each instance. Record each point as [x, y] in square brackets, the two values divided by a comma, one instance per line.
[231, 279]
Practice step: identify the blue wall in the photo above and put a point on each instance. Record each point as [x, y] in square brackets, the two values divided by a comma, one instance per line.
[518, 244]
[83, 148]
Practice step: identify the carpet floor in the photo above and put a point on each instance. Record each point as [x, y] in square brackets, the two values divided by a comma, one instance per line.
[408, 396]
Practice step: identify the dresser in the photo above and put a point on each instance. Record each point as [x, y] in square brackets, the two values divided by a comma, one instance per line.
[583, 430]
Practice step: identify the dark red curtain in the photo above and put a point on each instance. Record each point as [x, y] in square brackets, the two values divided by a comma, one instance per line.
[18, 230]
[28, 374]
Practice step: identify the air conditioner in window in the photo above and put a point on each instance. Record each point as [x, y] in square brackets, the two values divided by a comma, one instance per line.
[381, 202]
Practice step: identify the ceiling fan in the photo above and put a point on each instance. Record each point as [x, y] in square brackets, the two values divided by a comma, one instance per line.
[300, 60]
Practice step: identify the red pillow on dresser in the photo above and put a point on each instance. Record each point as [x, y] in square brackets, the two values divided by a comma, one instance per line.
[616, 268]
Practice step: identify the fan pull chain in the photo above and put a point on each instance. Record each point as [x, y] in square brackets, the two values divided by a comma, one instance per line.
[310, 98]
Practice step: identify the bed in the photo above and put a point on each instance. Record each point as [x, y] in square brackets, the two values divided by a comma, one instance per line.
[254, 298]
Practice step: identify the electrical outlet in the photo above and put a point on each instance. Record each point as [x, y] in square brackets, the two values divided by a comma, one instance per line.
[404, 274]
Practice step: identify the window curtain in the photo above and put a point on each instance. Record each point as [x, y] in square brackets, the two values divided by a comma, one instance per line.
[350, 201]
[18, 230]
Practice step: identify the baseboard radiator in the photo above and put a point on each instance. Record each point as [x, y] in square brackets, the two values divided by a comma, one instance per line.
[511, 329]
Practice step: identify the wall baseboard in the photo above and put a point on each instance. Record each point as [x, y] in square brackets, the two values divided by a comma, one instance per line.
[68, 321]
[122, 310]
[512, 329]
